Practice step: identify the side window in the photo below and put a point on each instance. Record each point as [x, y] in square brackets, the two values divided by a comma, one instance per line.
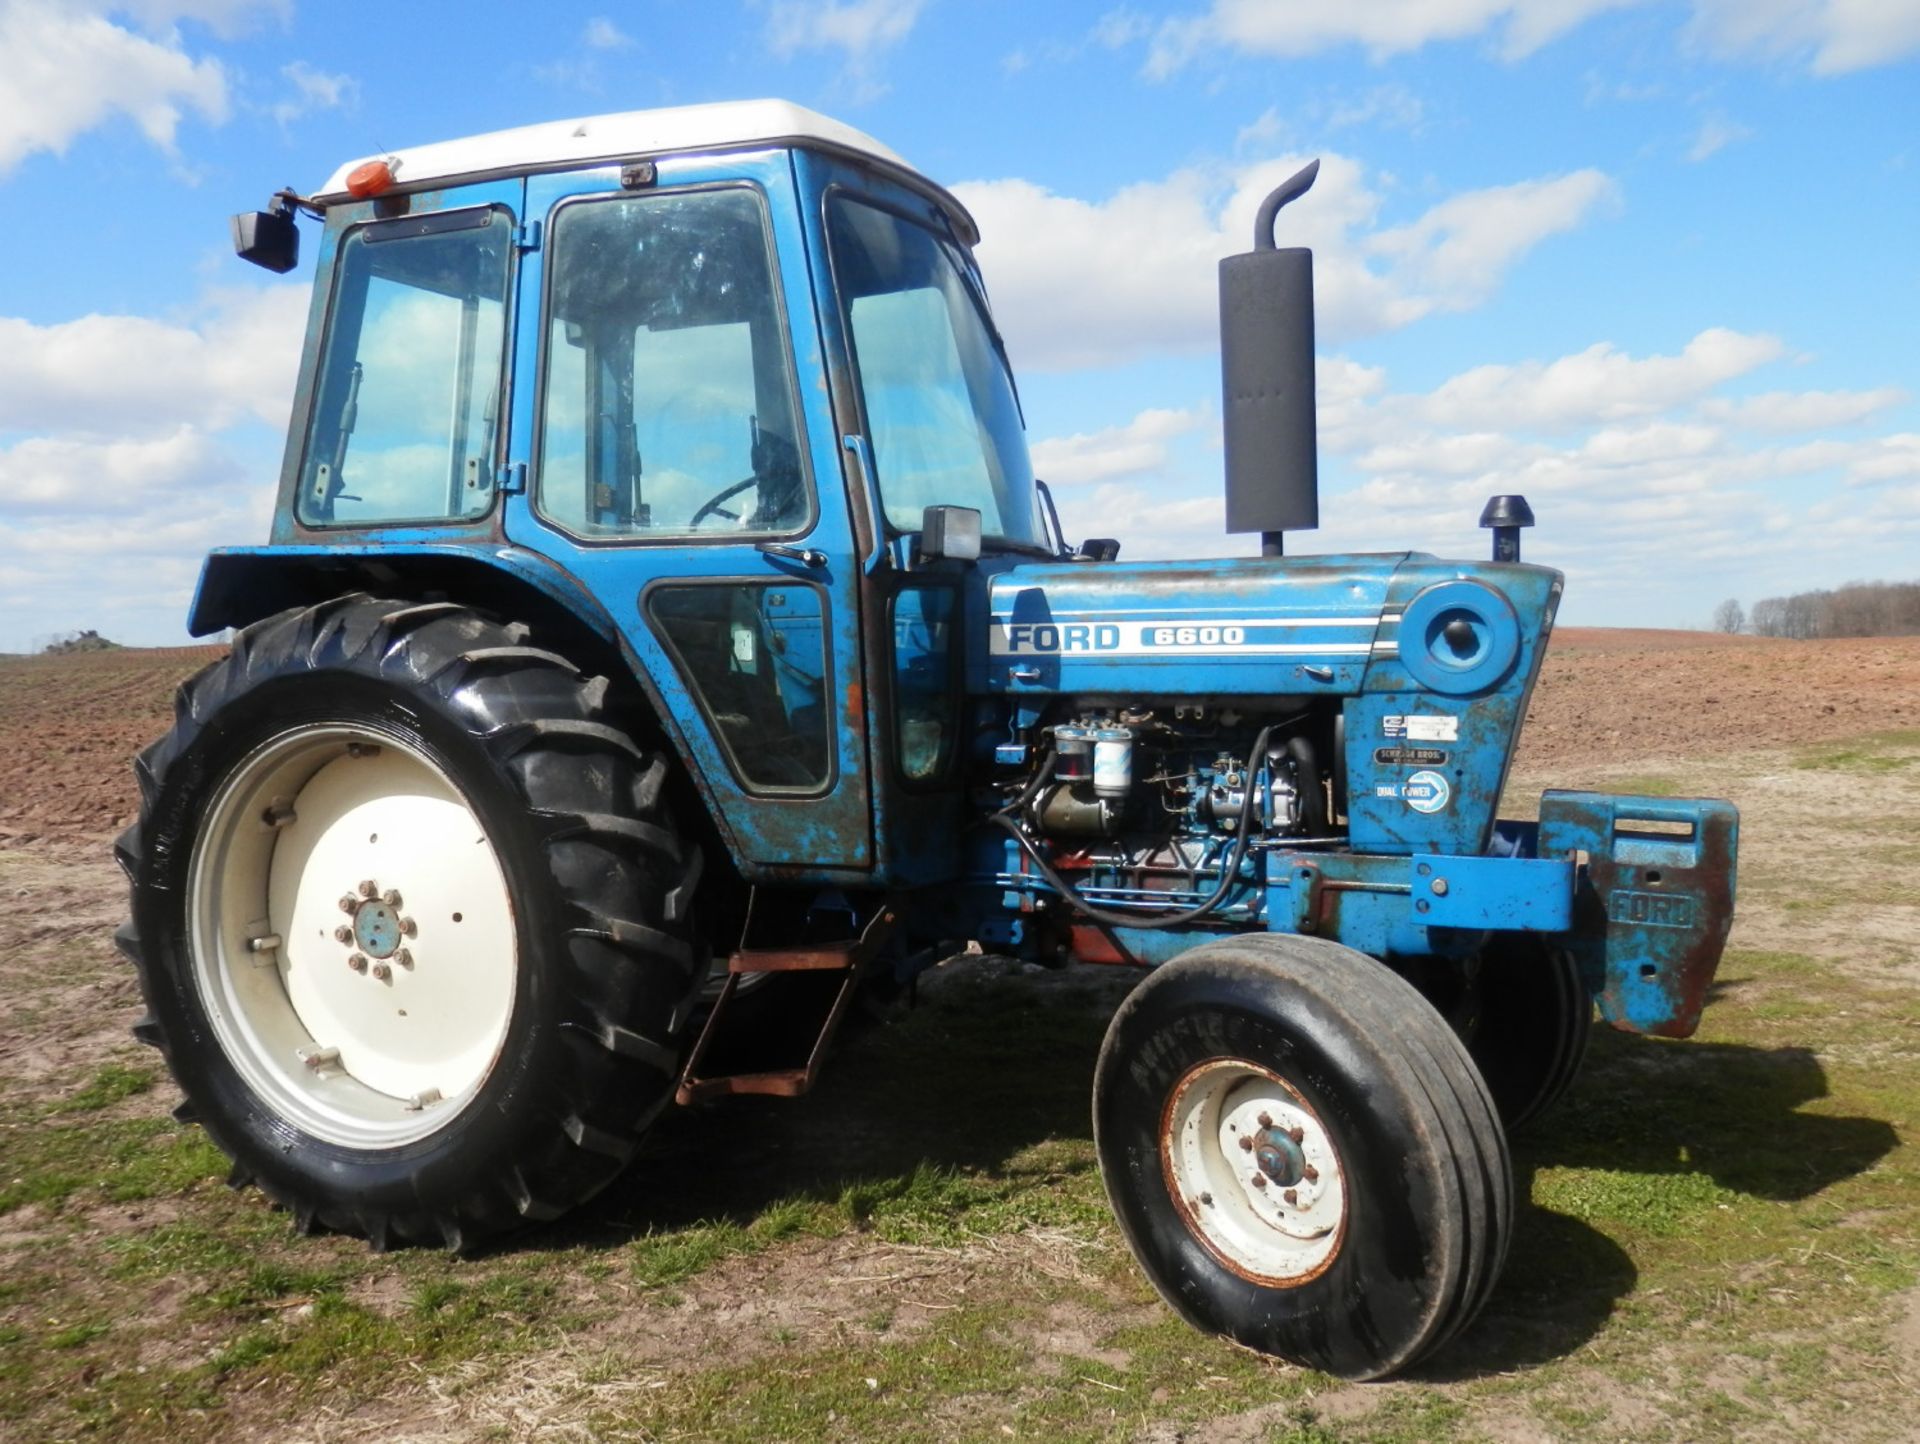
[668, 408]
[925, 694]
[754, 655]
[406, 421]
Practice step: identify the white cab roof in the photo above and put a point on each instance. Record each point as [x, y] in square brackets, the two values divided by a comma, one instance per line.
[567, 143]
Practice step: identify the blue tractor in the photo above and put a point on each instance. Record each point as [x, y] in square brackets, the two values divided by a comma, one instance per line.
[662, 633]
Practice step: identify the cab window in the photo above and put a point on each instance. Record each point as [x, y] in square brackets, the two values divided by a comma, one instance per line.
[668, 408]
[406, 420]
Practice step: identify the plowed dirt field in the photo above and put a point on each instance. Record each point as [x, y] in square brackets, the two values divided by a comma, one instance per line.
[1716, 1240]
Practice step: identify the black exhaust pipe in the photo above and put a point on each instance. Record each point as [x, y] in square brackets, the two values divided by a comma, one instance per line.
[1266, 368]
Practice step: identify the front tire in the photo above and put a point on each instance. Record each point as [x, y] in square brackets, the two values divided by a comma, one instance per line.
[1532, 1019]
[410, 920]
[1301, 1154]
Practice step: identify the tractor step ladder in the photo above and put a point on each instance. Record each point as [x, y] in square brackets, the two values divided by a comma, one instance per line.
[847, 958]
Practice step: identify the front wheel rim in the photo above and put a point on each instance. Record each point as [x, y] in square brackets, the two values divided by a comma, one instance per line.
[1254, 1172]
[352, 936]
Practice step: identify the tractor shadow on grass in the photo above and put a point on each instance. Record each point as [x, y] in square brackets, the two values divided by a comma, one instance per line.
[995, 1060]
[1663, 1135]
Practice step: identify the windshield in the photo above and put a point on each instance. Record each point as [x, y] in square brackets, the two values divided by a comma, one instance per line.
[406, 422]
[942, 419]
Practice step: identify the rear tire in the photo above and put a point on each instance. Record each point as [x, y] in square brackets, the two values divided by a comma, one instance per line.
[1386, 1199]
[411, 921]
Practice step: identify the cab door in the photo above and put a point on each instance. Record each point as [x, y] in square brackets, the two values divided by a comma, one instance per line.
[681, 460]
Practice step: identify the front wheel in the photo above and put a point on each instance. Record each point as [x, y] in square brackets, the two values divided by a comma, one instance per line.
[1301, 1154]
[410, 921]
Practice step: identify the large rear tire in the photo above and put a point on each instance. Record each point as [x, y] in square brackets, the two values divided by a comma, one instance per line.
[1301, 1154]
[411, 921]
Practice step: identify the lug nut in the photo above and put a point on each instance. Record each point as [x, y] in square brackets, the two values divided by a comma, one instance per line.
[349, 904]
[1246, 1144]
[382, 972]
[358, 962]
[369, 888]
[403, 958]
[1310, 1173]
[1291, 1196]
[1297, 1133]
[1266, 1120]
[408, 927]
[1259, 1180]
[392, 899]
[343, 934]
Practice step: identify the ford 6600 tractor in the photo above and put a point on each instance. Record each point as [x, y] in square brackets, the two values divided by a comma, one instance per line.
[661, 613]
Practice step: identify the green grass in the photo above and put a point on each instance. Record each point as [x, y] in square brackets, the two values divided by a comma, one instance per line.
[1717, 1236]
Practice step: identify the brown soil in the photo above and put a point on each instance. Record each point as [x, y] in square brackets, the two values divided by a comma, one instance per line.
[70, 726]
[69, 729]
[1618, 696]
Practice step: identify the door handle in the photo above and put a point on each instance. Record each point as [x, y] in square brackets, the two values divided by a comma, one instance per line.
[806, 556]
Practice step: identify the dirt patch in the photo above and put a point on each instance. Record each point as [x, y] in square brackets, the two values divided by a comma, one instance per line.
[69, 729]
[1617, 696]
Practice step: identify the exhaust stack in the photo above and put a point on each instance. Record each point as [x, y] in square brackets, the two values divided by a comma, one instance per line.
[1266, 367]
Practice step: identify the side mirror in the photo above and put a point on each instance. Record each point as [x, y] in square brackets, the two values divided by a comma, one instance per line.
[267, 238]
[950, 533]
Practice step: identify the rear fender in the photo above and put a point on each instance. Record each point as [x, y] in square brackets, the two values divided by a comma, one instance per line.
[242, 585]
[1653, 900]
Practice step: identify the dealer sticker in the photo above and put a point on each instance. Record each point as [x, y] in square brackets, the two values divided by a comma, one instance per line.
[1422, 727]
[1409, 757]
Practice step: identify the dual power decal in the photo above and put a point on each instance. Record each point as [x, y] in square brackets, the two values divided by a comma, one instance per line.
[1425, 791]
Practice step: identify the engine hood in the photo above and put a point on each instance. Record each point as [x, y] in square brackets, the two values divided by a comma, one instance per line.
[1230, 627]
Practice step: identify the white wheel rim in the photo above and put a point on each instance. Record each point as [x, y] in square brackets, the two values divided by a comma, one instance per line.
[352, 936]
[1254, 1172]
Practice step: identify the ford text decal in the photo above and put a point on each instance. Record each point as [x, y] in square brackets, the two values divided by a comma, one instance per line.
[1253, 637]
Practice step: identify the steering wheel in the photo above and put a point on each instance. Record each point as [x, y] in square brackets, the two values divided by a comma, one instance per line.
[712, 506]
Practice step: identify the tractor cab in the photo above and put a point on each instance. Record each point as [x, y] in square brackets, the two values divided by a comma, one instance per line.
[705, 371]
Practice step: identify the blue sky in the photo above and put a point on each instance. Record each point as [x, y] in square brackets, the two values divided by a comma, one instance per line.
[1653, 264]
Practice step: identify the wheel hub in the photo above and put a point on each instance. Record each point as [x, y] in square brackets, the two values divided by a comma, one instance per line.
[378, 927]
[1254, 1172]
[1280, 1156]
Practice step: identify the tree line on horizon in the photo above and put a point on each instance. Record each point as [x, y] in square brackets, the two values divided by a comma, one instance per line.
[1859, 609]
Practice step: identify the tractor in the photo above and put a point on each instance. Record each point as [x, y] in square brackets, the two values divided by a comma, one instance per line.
[662, 636]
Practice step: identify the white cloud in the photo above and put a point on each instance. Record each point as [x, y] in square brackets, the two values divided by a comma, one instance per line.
[1601, 384]
[862, 30]
[1138, 448]
[1835, 36]
[1459, 249]
[128, 446]
[133, 376]
[66, 69]
[1383, 27]
[1648, 497]
[61, 474]
[1716, 134]
[1786, 411]
[309, 90]
[602, 34]
[1084, 283]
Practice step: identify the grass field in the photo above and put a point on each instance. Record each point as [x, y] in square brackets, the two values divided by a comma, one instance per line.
[1723, 1240]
